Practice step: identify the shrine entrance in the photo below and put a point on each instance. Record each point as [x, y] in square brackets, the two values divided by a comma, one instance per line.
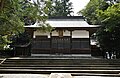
[61, 45]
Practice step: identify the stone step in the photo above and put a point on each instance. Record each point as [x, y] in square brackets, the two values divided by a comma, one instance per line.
[61, 56]
[56, 63]
[94, 75]
[62, 62]
[59, 61]
[41, 61]
[7, 65]
[62, 59]
[58, 71]
[45, 65]
[64, 68]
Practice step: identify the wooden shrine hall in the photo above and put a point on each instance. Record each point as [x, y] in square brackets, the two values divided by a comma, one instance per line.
[70, 35]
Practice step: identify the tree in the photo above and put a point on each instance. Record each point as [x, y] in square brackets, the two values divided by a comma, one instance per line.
[14, 14]
[61, 8]
[90, 11]
[109, 33]
[108, 16]
[21, 39]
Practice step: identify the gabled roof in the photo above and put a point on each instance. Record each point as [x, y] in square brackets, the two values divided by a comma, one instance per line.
[66, 22]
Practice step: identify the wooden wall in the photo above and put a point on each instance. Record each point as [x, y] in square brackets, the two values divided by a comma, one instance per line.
[60, 45]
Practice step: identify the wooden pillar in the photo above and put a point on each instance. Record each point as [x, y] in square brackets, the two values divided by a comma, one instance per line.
[51, 42]
[89, 40]
[70, 41]
[30, 32]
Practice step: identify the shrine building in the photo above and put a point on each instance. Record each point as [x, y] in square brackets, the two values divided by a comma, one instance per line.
[70, 35]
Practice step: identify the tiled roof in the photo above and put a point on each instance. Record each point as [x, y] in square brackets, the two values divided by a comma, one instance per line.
[66, 22]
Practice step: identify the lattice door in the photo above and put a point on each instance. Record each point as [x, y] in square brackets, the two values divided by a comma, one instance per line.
[61, 45]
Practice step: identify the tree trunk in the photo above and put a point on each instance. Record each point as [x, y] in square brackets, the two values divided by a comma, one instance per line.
[1, 4]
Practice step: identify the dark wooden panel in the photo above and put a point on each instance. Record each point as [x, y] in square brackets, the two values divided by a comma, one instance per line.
[41, 45]
[41, 51]
[81, 51]
[80, 43]
[60, 45]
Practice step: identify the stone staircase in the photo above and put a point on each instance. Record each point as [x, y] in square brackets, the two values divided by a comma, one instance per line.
[76, 65]
[62, 56]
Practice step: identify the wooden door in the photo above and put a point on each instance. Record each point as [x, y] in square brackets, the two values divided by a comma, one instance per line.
[60, 45]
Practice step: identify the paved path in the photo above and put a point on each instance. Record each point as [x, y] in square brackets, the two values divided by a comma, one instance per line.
[23, 76]
[43, 76]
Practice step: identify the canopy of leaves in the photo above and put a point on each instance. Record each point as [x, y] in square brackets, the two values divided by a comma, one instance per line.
[90, 11]
[108, 16]
[14, 14]
[21, 39]
[61, 8]
[109, 33]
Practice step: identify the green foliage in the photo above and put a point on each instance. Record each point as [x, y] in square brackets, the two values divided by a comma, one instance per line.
[109, 34]
[61, 8]
[14, 14]
[108, 16]
[21, 39]
[90, 11]
[3, 41]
